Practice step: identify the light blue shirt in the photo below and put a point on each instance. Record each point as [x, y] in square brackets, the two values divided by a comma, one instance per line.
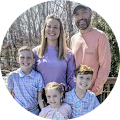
[81, 106]
[26, 87]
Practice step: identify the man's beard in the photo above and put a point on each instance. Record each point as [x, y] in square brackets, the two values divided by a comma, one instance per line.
[84, 25]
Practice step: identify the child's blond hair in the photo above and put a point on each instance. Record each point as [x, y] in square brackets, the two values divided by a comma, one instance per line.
[25, 48]
[55, 86]
[83, 69]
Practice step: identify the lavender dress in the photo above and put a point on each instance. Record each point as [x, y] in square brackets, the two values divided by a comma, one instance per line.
[52, 69]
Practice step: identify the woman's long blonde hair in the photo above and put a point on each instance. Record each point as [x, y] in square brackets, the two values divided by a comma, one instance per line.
[61, 46]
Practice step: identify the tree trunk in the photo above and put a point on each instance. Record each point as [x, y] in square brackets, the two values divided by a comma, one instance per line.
[69, 21]
[29, 28]
[19, 28]
[33, 22]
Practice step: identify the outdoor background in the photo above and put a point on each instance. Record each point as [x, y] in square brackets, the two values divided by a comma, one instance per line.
[27, 30]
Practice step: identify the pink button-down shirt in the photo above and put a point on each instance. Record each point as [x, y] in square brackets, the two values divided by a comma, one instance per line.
[93, 49]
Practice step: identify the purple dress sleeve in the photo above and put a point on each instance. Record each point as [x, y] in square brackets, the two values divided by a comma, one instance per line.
[70, 69]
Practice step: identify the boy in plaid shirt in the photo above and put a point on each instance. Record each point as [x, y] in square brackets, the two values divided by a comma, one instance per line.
[25, 84]
[80, 98]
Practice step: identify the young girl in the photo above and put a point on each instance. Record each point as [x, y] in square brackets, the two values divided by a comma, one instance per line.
[56, 109]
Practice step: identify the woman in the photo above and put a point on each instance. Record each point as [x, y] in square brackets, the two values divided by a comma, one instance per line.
[53, 59]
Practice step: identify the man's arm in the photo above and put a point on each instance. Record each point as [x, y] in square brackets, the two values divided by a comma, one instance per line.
[104, 64]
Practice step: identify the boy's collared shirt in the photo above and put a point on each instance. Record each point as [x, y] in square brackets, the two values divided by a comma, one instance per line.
[81, 106]
[26, 87]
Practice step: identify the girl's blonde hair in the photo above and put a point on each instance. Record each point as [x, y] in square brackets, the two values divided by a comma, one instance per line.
[61, 46]
[55, 86]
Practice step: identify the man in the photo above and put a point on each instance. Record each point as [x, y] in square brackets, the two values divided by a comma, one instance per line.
[91, 47]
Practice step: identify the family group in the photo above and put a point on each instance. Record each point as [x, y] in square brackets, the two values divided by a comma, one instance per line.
[59, 83]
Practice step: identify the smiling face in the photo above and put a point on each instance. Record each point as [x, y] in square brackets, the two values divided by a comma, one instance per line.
[83, 81]
[52, 30]
[54, 97]
[26, 60]
[82, 18]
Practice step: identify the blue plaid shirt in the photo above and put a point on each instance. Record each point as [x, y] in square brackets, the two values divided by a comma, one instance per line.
[26, 87]
[81, 106]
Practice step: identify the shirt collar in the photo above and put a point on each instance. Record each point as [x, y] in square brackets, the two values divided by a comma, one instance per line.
[86, 98]
[21, 74]
[76, 99]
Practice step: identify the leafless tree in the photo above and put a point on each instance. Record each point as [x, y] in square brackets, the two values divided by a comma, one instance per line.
[28, 27]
